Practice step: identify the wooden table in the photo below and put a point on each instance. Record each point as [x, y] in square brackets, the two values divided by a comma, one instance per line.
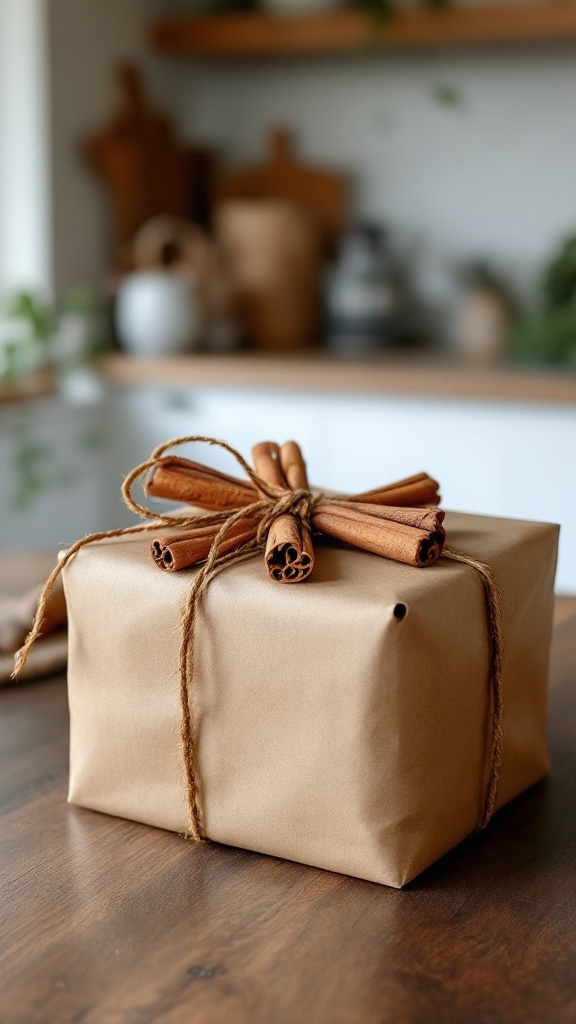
[110, 922]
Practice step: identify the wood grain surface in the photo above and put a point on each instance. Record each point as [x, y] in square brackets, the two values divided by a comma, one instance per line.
[356, 32]
[109, 922]
[419, 373]
[390, 374]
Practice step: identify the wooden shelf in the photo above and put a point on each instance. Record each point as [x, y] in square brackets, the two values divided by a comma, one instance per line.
[430, 377]
[260, 35]
[35, 385]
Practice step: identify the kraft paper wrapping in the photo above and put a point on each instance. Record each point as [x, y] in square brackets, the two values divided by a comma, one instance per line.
[330, 732]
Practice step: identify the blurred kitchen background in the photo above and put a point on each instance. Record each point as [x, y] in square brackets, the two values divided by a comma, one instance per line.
[348, 223]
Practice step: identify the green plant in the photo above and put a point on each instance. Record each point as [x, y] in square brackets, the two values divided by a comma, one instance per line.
[549, 334]
[25, 336]
[36, 313]
[35, 466]
[481, 273]
[380, 11]
[559, 279]
[36, 333]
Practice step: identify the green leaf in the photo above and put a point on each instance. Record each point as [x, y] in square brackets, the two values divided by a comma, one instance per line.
[37, 314]
[559, 280]
[547, 337]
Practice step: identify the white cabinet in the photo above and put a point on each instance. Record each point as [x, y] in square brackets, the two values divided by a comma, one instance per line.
[497, 458]
[500, 458]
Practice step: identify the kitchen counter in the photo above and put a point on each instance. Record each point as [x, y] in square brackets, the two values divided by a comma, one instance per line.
[430, 375]
[109, 920]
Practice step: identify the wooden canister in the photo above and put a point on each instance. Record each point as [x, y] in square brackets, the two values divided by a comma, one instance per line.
[272, 250]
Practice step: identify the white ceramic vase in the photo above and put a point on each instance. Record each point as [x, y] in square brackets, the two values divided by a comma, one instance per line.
[157, 314]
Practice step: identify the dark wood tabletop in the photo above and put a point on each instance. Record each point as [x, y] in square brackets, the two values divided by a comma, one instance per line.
[105, 921]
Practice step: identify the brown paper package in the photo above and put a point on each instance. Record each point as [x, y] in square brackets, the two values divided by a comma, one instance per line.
[343, 723]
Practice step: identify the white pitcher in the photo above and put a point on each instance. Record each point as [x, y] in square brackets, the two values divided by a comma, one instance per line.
[157, 313]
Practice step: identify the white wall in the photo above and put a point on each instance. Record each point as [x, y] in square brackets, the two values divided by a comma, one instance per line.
[87, 40]
[57, 61]
[495, 175]
[486, 455]
[25, 224]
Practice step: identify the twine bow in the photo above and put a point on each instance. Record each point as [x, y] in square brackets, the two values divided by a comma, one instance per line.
[400, 521]
[270, 504]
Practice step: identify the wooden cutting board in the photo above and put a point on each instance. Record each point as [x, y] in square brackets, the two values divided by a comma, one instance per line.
[282, 176]
[146, 169]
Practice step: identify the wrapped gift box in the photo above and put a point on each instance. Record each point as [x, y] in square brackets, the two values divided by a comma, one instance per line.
[343, 723]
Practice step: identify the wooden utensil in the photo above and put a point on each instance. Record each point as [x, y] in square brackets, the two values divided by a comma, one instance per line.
[145, 168]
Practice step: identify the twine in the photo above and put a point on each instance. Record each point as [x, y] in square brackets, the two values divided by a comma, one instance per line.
[272, 503]
[496, 640]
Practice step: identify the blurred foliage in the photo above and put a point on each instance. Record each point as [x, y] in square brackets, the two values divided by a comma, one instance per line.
[84, 302]
[37, 314]
[380, 11]
[559, 280]
[91, 440]
[447, 95]
[549, 334]
[27, 327]
[547, 337]
[36, 333]
[35, 468]
[483, 274]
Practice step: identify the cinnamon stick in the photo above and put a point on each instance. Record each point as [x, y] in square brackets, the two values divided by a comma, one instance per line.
[397, 520]
[429, 519]
[183, 550]
[180, 479]
[414, 490]
[289, 553]
[371, 532]
[293, 466]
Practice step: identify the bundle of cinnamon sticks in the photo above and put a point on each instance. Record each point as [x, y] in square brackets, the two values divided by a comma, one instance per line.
[400, 521]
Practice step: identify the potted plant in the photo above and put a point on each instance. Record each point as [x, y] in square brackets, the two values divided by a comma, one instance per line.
[548, 335]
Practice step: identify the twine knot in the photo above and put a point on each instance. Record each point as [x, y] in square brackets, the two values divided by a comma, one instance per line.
[298, 503]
